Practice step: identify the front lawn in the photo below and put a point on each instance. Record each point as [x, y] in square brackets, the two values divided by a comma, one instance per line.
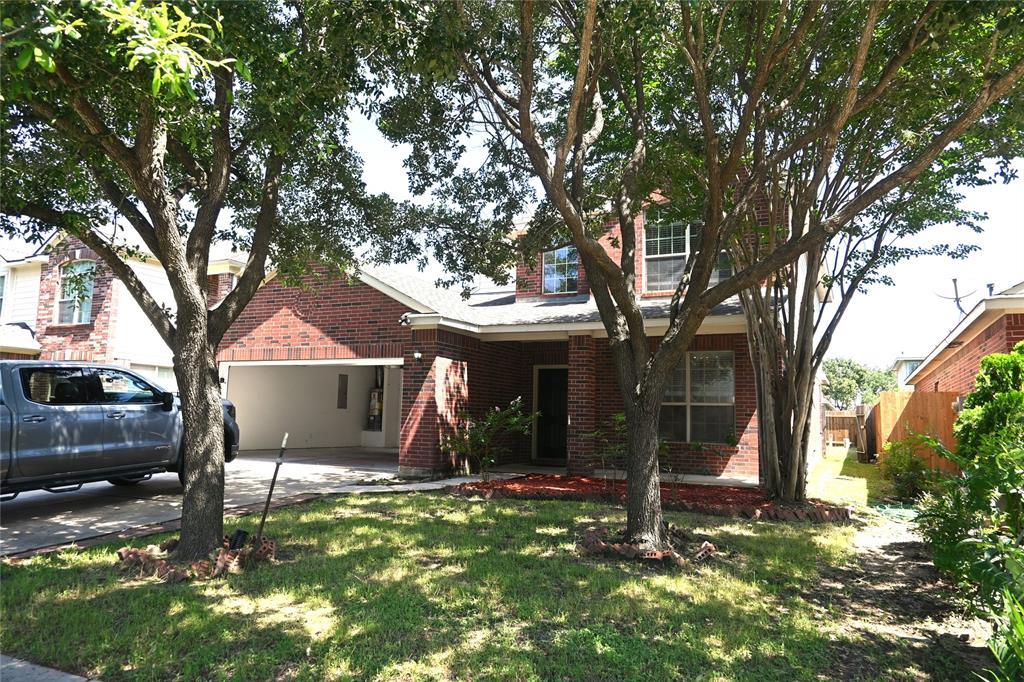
[435, 587]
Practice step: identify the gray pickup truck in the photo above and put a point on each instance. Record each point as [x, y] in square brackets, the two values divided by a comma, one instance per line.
[63, 424]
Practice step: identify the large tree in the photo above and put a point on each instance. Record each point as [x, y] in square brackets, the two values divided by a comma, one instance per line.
[602, 105]
[166, 127]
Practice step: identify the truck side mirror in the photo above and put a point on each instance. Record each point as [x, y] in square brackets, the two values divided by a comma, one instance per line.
[167, 401]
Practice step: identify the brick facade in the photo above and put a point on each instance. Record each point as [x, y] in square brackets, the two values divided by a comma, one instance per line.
[455, 374]
[88, 341]
[956, 373]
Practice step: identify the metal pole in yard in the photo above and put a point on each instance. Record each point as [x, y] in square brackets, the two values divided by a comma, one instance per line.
[273, 482]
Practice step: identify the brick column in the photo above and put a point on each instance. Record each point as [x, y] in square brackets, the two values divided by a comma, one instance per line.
[582, 412]
[434, 393]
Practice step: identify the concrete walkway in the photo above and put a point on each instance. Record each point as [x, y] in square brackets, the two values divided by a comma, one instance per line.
[16, 670]
[40, 519]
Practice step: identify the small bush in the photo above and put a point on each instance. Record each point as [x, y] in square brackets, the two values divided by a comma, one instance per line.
[477, 443]
[910, 475]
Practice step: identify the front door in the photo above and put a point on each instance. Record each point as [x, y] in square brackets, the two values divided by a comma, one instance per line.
[553, 420]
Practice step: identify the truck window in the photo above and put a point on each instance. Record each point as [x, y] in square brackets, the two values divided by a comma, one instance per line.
[119, 388]
[59, 385]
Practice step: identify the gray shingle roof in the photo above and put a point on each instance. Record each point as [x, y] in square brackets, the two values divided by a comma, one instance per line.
[501, 308]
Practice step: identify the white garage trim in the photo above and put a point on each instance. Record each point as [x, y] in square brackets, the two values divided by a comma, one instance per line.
[350, 362]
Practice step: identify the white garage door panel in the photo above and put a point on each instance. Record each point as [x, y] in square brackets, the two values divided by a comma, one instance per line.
[300, 400]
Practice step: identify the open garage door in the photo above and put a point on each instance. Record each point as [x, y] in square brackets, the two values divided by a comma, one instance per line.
[319, 405]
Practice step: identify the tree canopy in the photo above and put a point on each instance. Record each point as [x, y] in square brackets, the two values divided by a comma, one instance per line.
[849, 383]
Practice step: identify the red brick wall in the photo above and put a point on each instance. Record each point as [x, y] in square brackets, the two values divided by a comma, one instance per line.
[9, 355]
[711, 459]
[956, 373]
[217, 287]
[88, 341]
[330, 319]
[529, 277]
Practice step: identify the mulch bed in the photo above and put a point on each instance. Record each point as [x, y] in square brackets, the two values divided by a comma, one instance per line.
[717, 500]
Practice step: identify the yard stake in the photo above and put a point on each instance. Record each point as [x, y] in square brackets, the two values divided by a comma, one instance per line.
[273, 482]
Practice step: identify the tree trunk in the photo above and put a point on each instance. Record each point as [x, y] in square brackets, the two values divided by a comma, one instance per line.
[202, 520]
[643, 480]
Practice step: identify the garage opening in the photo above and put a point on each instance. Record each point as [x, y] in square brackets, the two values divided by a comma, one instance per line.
[341, 405]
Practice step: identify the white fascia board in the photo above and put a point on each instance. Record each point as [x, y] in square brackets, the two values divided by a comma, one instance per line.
[719, 324]
[391, 292]
[347, 362]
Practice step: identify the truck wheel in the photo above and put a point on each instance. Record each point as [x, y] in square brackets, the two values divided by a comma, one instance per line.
[125, 480]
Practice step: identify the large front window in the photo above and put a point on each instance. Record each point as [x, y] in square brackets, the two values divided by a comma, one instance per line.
[561, 270]
[700, 402]
[75, 305]
[668, 245]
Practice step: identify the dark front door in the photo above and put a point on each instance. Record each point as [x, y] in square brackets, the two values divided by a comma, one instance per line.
[553, 405]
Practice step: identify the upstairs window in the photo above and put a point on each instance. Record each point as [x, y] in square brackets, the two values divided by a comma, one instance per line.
[75, 304]
[699, 405]
[561, 270]
[3, 285]
[667, 246]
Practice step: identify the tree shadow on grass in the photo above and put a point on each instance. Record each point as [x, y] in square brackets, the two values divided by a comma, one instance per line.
[434, 587]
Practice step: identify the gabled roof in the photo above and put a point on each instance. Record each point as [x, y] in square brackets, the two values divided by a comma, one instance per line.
[495, 309]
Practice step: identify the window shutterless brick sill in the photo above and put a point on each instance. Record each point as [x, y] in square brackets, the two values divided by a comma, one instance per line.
[68, 326]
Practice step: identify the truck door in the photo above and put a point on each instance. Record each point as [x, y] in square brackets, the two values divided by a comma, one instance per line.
[136, 428]
[58, 428]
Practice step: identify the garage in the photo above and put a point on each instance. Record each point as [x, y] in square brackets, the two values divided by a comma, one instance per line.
[355, 403]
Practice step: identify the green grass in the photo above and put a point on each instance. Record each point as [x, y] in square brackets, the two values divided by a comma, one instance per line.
[840, 479]
[430, 587]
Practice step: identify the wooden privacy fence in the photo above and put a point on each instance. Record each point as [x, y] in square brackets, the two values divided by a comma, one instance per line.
[846, 425]
[901, 414]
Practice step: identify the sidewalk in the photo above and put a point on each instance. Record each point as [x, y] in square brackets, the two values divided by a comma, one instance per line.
[16, 670]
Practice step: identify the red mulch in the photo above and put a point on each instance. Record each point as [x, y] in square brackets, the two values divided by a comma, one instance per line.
[718, 500]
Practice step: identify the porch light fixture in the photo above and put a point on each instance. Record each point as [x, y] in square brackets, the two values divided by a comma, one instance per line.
[417, 356]
[403, 321]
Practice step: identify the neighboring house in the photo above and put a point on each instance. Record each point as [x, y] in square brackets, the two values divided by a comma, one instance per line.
[994, 325]
[19, 302]
[388, 358]
[64, 303]
[904, 366]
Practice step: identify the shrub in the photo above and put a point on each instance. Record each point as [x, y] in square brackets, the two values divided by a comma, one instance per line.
[975, 523]
[910, 475]
[476, 443]
[1008, 643]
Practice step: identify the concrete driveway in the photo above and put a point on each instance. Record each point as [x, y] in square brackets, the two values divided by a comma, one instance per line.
[39, 519]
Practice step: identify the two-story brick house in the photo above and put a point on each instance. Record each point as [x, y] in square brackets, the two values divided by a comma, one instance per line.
[59, 301]
[387, 358]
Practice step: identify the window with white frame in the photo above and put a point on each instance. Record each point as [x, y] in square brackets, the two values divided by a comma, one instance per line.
[75, 304]
[699, 405]
[561, 270]
[667, 246]
[3, 286]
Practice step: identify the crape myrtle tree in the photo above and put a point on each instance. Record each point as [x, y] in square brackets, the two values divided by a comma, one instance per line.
[602, 105]
[793, 315]
[171, 126]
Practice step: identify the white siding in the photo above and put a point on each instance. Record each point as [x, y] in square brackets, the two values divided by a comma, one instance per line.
[134, 338]
[21, 294]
